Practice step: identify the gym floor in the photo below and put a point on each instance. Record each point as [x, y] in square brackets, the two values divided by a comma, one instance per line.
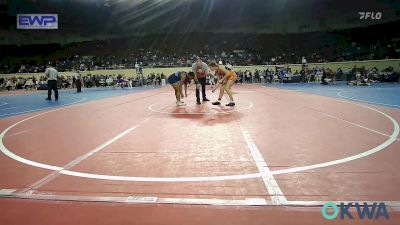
[133, 156]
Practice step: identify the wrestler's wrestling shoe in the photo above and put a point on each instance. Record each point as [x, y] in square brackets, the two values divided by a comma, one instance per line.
[180, 103]
[230, 104]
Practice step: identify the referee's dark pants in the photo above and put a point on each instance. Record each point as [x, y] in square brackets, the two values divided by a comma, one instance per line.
[202, 81]
[52, 85]
[78, 85]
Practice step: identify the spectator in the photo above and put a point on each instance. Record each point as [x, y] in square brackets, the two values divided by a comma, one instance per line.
[28, 84]
[9, 85]
[303, 76]
[78, 82]
[109, 81]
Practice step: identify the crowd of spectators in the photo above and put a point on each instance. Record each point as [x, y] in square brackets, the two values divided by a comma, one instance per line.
[321, 75]
[280, 74]
[88, 81]
[372, 43]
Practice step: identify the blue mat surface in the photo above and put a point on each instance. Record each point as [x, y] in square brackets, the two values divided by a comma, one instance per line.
[384, 94]
[25, 103]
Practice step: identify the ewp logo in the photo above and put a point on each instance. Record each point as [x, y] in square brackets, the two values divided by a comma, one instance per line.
[37, 21]
[375, 211]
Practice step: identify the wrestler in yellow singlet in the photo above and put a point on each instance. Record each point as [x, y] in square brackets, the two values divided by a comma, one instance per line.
[226, 78]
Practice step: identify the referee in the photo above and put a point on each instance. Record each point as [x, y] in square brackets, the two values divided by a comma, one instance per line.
[200, 70]
[52, 75]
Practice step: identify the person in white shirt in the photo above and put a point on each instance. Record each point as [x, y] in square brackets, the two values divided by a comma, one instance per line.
[28, 84]
[130, 83]
[9, 85]
[52, 76]
[304, 62]
[109, 81]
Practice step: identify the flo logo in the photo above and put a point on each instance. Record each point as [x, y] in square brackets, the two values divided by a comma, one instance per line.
[364, 211]
[370, 15]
